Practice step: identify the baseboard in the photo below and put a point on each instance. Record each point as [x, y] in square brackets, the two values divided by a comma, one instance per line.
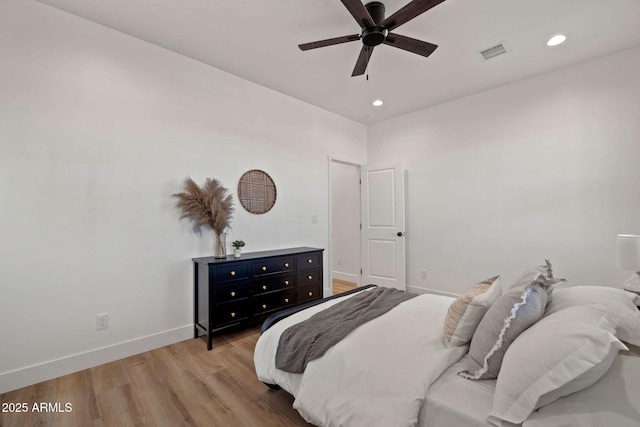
[23, 377]
[418, 290]
[347, 277]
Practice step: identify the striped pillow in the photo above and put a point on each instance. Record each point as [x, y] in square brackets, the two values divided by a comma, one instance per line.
[466, 312]
[511, 315]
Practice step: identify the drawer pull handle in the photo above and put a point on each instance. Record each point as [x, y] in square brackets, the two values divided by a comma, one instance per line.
[233, 273]
[286, 300]
[286, 283]
[264, 305]
[264, 268]
[286, 265]
[310, 261]
[233, 315]
[310, 277]
[233, 293]
[264, 287]
[310, 294]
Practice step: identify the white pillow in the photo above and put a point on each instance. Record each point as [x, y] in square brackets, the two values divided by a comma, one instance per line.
[620, 304]
[466, 312]
[563, 353]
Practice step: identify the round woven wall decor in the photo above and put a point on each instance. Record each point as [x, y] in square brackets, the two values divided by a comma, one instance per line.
[257, 191]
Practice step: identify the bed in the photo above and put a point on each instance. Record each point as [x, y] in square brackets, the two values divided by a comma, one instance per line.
[396, 370]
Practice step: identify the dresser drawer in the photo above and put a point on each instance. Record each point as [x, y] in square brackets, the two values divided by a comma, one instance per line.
[273, 265]
[310, 260]
[230, 312]
[309, 293]
[228, 272]
[309, 277]
[269, 284]
[274, 301]
[231, 292]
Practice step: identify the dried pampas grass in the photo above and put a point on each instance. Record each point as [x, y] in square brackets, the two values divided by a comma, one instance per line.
[208, 206]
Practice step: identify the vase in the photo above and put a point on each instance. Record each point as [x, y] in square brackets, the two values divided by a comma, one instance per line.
[220, 248]
[237, 252]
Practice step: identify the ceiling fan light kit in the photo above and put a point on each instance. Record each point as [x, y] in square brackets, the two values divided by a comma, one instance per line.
[376, 30]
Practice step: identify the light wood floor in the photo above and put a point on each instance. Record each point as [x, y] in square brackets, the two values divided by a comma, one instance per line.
[179, 385]
[340, 286]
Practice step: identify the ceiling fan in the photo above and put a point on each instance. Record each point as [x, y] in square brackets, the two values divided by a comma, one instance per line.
[377, 30]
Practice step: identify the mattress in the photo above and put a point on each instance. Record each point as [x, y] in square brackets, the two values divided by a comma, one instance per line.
[613, 401]
[453, 401]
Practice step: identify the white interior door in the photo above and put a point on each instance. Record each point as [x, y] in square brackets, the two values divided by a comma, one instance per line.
[383, 248]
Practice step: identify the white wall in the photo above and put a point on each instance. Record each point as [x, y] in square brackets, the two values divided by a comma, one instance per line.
[97, 130]
[543, 168]
[345, 221]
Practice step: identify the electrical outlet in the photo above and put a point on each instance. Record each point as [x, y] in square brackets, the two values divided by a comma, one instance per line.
[314, 219]
[339, 261]
[102, 321]
[424, 274]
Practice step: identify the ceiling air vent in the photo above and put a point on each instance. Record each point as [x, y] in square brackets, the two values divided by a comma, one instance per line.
[493, 51]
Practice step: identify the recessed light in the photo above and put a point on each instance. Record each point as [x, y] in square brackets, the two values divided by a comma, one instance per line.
[556, 40]
[377, 103]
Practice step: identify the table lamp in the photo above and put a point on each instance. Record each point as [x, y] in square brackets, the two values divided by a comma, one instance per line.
[629, 259]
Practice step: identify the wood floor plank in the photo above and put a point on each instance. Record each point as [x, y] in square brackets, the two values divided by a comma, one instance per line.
[110, 376]
[76, 390]
[178, 385]
[340, 286]
[118, 407]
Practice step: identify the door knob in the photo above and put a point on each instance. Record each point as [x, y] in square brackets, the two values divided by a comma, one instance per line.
[399, 233]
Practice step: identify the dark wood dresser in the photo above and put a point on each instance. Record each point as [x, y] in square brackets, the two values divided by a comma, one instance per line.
[236, 291]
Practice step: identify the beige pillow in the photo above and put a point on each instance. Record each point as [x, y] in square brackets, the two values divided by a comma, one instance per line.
[466, 312]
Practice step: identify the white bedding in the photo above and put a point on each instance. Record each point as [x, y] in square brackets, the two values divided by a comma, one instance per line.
[388, 373]
[453, 401]
[613, 401]
[377, 376]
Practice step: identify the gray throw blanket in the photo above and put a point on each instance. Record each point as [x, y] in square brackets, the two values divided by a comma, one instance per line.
[310, 339]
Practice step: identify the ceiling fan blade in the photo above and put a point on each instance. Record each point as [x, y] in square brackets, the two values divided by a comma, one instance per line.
[363, 61]
[359, 12]
[410, 45]
[407, 13]
[329, 42]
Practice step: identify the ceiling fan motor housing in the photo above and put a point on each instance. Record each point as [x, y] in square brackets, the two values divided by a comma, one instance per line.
[375, 35]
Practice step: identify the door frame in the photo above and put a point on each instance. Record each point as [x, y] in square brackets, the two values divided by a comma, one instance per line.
[350, 162]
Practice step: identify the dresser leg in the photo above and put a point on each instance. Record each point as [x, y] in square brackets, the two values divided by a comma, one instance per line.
[209, 340]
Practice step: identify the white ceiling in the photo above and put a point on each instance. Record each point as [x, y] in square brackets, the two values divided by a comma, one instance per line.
[257, 40]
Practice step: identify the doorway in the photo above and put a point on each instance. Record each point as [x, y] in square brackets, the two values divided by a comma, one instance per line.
[344, 223]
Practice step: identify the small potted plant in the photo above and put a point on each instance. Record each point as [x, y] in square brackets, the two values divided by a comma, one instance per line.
[237, 248]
